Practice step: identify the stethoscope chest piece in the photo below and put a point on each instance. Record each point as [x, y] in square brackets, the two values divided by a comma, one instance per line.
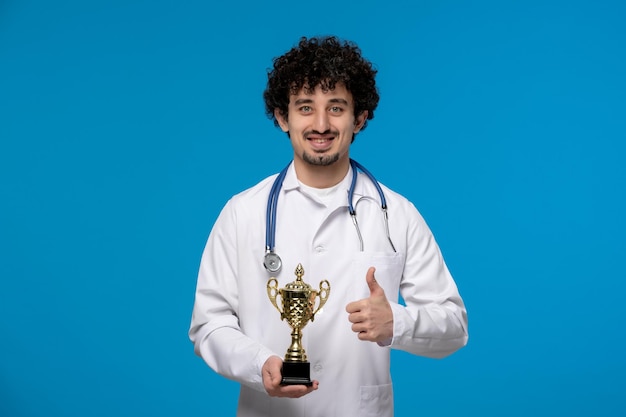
[272, 262]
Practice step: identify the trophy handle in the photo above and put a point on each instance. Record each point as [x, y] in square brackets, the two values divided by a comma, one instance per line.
[272, 292]
[323, 295]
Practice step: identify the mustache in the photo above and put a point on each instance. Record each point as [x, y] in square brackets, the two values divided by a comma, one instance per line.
[317, 132]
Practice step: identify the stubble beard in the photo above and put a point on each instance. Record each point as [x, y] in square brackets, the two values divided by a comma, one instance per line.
[320, 160]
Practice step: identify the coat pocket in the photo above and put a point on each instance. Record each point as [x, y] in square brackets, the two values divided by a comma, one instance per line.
[376, 401]
[389, 269]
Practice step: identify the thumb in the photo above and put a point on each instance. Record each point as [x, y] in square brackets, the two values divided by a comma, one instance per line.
[375, 289]
[274, 363]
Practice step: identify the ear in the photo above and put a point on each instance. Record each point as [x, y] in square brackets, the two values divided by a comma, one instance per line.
[281, 119]
[360, 121]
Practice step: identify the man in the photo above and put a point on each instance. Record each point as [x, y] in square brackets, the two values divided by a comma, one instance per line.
[322, 93]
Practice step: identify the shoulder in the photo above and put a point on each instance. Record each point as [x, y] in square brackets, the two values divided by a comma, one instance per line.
[251, 201]
[247, 204]
[395, 200]
[260, 191]
[400, 206]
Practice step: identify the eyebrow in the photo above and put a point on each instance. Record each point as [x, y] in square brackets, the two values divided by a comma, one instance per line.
[332, 100]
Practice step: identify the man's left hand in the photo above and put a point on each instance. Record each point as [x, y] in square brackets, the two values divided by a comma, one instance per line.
[372, 318]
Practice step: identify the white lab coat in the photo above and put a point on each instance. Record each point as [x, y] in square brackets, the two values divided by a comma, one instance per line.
[235, 328]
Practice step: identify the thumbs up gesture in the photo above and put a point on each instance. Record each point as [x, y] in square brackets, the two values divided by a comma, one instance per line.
[372, 318]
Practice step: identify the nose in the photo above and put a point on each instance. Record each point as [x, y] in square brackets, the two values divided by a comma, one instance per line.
[321, 122]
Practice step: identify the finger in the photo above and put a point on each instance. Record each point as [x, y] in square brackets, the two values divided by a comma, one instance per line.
[353, 307]
[358, 328]
[375, 289]
[364, 336]
[272, 373]
[275, 378]
[353, 317]
[296, 391]
[275, 371]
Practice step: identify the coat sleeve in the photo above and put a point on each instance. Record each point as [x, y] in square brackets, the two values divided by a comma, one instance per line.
[215, 330]
[434, 321]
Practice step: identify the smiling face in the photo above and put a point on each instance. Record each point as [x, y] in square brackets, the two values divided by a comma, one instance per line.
[321, 125]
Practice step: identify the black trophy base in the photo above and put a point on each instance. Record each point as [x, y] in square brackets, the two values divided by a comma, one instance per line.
[296, 373]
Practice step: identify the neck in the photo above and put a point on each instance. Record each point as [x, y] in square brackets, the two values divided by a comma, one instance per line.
[321, 176]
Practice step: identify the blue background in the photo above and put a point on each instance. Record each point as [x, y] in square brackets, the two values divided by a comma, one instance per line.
[126, 125]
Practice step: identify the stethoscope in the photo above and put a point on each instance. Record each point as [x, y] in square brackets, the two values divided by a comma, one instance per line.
[272, 261]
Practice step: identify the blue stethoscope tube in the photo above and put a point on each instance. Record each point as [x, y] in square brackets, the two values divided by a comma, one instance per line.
[272, 261]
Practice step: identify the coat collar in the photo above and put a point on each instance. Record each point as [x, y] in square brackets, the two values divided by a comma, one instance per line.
[291, 183]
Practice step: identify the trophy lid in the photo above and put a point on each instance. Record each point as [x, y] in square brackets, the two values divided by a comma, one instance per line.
[298, 284]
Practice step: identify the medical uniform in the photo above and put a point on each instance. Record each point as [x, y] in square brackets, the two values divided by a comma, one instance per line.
[235, 327]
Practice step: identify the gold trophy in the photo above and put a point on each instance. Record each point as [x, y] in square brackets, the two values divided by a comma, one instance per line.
[298, 307]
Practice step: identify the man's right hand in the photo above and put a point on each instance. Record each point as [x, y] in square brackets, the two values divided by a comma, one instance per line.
[272, 377]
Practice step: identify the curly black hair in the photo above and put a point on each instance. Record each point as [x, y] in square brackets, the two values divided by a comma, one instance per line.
[321, 61]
